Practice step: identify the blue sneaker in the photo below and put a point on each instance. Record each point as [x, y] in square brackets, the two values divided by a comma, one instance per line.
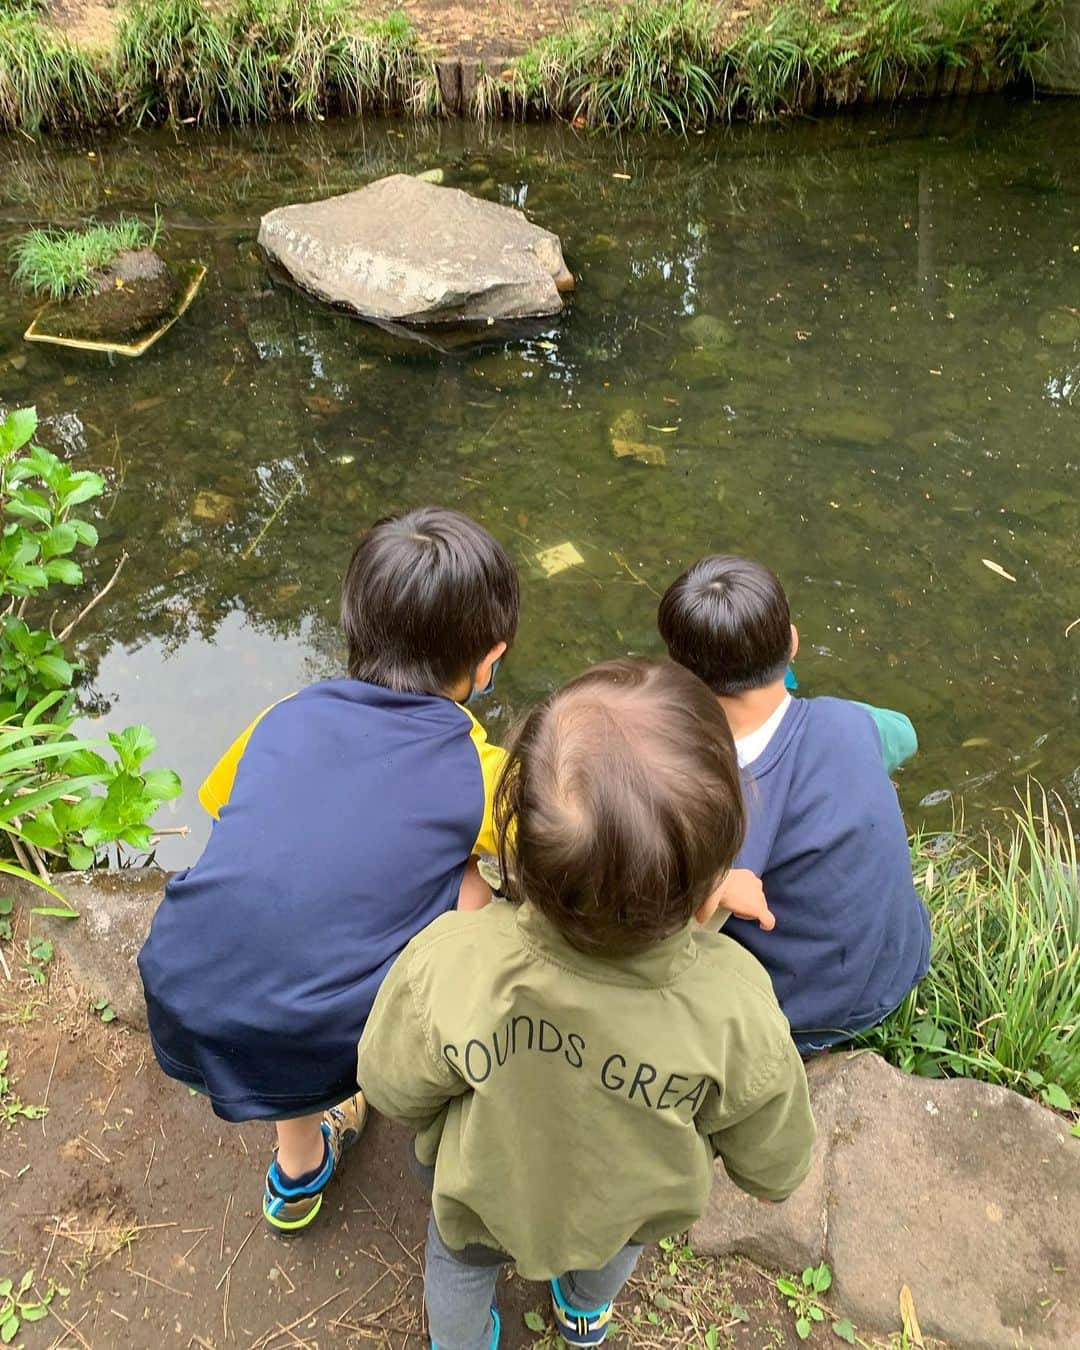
[577, 1327]
[290, 1209]
[496, 1327]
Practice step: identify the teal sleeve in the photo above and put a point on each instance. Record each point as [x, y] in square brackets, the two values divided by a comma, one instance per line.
[898, 739]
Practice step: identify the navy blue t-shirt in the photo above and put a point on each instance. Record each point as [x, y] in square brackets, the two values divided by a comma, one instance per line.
[345, 817]
[826, 836]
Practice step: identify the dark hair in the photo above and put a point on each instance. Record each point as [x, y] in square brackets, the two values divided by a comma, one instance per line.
[727, 620]
[426, 597]
[620, 808]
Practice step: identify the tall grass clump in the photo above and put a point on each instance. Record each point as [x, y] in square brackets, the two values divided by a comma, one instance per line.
[671, 64]
[46, 82]
[648, 65]
[183, 61]
[61, 263]
[1002, 1000]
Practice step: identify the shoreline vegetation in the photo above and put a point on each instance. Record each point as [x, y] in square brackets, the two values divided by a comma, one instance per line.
[675, 65]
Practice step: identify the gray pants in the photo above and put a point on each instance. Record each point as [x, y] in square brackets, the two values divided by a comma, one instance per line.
[459, 1295]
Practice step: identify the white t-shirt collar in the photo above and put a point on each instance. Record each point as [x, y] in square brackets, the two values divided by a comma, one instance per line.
[753, 746]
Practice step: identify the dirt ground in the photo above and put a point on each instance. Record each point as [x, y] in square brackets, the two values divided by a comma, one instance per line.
[453, 27]
[135, 1198]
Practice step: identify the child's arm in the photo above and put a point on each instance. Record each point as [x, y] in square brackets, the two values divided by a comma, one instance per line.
[475, 893]
[898, 739]
[742, 893]
[399, 1066]
[766, 1143]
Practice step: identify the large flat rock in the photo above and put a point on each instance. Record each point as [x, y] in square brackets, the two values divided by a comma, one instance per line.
[407, 251]
[968, 1194]
[101, 946]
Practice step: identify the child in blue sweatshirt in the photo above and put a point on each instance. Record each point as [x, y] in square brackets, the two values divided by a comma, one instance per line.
[825, 833]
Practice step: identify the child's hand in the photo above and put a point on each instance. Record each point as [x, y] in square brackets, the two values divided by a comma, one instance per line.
[742, 893]
[475, 893]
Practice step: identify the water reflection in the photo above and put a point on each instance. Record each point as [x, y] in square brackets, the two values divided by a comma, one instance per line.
[847, 348]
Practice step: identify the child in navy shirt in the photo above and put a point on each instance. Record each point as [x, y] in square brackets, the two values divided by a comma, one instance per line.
[825, 834]
[347, 818]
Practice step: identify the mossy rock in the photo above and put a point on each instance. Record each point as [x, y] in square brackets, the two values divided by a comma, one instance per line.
[852, 426]
[708, 332]
[627, 426]
[132, 293]
[1059, 327]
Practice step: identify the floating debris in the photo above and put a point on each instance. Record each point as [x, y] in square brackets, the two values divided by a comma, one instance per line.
[644, 454]
[997, 567]
[937, 798]
[559, 558]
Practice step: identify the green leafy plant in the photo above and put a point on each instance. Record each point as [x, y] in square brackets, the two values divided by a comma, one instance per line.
[60, 799]
[39, 957]
[1002, 999]
[12, 1108]
[62, 263]
[802, 1297]
[18, 1306]
[103, 1010]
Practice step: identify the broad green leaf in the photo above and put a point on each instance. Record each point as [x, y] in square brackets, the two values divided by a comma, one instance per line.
[802, 1328]
[33, 1312]
[54, 912]
[80, 857]
[844, 1330]
[1035, 1078]
[85, 532]
[26, 1281]
[41, 830]
[133, 745]
[1055, 1095]
[9, 1330]
[88, 762]
[6, 906]
[822, 1278]
[534, 1321]
[788, 1288]
[1075, 1131]
[59, 540]
[712, 1338]
[816, 1313]
[808, 1277]
[5, 1285]
[29, 504]
[55, 668]
[41, 950]
[163, 784]
[16, 429]
[81, 488]
[64, 570]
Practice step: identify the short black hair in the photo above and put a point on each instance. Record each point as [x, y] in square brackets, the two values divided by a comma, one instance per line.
[620, 808]
[426, 597]
[727, 619]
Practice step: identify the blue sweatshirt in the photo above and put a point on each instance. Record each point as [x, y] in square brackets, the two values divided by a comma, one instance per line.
[345, 817]
[826, 836]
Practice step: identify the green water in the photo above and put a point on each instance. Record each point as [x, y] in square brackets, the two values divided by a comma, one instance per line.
[889, 393]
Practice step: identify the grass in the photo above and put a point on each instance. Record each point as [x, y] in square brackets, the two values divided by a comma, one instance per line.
[191, 61]
[1002, 1000]
[182, 61]
[654, 64]
[61, 263]
[672, 65]
[46, 82]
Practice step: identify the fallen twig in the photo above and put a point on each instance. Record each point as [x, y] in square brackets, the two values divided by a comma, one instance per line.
[65, 633]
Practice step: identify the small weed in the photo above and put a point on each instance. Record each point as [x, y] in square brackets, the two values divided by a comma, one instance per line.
[39, 956]
[6, 907]
[11, 1107]
[60, 263]
[18, 1306]
[103, 1010]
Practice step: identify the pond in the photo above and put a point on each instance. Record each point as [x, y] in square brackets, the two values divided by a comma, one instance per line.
[854, 347]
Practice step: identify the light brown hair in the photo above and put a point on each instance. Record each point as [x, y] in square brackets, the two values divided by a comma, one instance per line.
[620, 807]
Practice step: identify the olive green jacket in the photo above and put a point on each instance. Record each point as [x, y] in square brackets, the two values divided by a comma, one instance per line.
[572, 1104]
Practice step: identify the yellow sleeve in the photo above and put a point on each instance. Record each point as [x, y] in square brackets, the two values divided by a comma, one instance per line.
[492, 758]
[216, 790]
